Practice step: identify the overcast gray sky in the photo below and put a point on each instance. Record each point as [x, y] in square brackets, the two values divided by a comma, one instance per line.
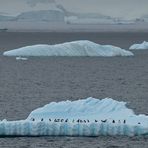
[116, 8]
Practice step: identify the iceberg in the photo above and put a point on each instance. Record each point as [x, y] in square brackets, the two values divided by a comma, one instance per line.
[75, 48]
[86, 117]
[143, 45]
[21, 58]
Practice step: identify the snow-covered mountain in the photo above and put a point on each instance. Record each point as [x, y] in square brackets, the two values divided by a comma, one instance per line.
[6, 18]
[56, 12]
[52, 15]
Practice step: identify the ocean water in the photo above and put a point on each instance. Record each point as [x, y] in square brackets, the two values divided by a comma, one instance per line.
[27, 85]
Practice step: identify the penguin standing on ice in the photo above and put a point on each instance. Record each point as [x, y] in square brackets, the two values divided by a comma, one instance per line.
[124, 121]
[32, 119]
[78, 120]
[104, 120]
[62, 120]
[113, 121]
[42, 119]
[66, 120]
[58, 120]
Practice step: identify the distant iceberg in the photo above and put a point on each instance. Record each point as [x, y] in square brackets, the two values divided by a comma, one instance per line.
[75, 48]
[21, 58]
[87, 117]
[143, 45]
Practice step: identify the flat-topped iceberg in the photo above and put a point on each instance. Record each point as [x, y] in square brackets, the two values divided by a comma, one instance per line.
[87, 117]
[75, 48]
[143, 45]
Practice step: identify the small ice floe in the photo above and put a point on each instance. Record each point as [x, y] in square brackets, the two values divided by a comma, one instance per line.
[87, 117]
[75, 48]
[143, 45]
[21, 58]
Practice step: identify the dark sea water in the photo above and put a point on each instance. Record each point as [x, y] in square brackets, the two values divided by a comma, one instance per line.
[27, 85]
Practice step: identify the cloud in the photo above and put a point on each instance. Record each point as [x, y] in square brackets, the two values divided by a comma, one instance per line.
[33, 3]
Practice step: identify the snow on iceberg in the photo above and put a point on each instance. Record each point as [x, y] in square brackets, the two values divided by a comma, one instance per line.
[88, 117]
[75, 48]
[143, 45]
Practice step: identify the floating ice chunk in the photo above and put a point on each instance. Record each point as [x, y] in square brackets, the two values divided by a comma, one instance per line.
[87, 117]
[143, 45]
[21, 58]
[75, 48]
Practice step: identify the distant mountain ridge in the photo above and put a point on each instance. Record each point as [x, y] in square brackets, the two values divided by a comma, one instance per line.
[57, 13]
[42, 15]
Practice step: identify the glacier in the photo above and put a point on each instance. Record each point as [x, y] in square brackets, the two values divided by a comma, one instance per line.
[85, 117]
[52, 15]
[74, 48]
[143, 45]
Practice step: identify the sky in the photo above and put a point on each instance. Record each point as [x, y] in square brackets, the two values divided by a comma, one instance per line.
[127, 9]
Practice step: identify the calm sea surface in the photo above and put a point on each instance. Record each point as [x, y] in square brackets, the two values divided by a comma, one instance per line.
[27, 85]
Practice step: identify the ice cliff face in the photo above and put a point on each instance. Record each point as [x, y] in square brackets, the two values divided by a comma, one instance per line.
[75, 48]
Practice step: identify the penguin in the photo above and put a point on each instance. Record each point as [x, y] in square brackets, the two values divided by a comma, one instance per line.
[58, 120]
[113, 121]
[66, 120]
[32, 119]
[84, 121]
[42, 119]
[87, 120]
[73, 121]
[139, 123]
[62, 120]
[104, 120]
[50, 120]
[124, 121]
[78, 120]
[96, 120]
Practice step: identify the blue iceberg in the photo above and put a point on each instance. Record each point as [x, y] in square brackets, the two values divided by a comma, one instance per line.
[143, 45]
[87, 117]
